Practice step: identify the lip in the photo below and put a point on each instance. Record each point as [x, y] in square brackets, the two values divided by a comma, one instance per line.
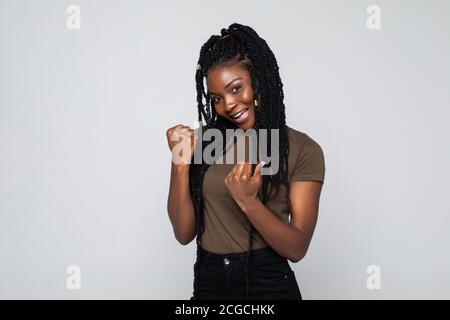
[242, 118]
[238, 112]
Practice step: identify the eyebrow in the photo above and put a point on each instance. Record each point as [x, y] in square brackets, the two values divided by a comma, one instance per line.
[209, 92]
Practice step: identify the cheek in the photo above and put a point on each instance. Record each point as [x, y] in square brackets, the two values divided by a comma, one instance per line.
[219, 109]
[246, 96]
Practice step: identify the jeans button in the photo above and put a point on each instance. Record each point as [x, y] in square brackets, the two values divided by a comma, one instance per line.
[226, 261]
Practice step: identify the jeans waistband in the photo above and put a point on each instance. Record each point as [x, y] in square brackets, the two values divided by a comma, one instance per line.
[259, 257]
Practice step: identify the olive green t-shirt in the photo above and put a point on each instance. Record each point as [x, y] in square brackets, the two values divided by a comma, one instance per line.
[226, 225]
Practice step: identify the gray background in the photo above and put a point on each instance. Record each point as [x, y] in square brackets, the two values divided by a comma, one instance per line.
[85, 164]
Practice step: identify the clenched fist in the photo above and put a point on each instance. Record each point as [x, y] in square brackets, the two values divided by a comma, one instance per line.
[182, 143]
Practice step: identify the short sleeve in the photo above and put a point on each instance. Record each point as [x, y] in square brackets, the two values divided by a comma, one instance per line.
[309, 164]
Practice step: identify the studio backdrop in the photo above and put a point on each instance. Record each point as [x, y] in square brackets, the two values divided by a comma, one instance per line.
[89, 88]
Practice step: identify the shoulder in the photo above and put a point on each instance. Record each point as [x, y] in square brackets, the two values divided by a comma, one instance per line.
[300, 141]
[306, 159]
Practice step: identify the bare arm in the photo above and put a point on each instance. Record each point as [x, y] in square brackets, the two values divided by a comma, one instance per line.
[179, 202]
[290, 240]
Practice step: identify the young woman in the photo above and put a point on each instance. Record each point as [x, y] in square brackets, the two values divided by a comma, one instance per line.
[247, 225]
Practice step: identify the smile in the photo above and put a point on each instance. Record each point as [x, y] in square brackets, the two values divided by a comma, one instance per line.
[241, 116]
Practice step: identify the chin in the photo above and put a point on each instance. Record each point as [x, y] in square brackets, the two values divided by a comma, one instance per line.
[246, 126]
[250, 123]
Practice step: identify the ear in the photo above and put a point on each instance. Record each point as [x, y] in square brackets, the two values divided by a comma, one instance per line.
[258, 99]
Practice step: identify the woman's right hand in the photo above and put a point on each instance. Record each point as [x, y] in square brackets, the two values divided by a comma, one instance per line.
[181, 137]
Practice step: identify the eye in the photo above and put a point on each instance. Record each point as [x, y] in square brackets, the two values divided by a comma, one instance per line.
[238, 88]
[215, 99]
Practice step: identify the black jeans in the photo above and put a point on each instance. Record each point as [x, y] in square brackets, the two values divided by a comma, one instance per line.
[221, 277]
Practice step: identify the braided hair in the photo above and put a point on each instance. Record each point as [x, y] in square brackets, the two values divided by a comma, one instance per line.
[242, 43]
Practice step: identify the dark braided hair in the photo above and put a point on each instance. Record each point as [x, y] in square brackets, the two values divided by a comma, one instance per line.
[240, 43]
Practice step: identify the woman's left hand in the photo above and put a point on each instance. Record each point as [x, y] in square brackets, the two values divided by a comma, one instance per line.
[242, 186]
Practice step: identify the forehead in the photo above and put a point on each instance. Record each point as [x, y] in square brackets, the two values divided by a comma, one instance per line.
[219, 76]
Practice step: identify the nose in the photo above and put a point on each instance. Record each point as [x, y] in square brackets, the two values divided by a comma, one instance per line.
[230, 104]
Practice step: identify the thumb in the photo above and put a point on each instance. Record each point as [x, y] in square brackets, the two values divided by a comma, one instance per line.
[258, 169]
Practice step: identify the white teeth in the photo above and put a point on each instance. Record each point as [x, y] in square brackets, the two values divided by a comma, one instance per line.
[239, 114]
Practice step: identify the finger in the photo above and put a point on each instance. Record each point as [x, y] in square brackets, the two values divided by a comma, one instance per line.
[192, 133]
[235, 168]
[258, 169]
[170, 131]
[239, 168]
[193, 137]
[176, 132]
[231, 173]
[185, 139]
[174, 136]
[184, 133]
[183, 130]
[246, 171]
[174, 128]
[177, 126]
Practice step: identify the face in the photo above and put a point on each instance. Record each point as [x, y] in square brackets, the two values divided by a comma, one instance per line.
[230, 90]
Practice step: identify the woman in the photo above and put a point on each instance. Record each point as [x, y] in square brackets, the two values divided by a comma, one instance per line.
[247, 225]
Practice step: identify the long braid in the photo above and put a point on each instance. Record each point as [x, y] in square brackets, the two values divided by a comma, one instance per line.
[241, 42]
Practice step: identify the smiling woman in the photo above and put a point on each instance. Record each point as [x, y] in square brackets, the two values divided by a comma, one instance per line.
[247, 225]
[230, 90]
